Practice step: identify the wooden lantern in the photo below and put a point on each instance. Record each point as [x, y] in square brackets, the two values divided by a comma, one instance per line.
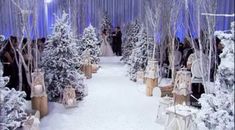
[38, 85]
[150, 84]
[140, 76]
[182, 87]
[151, 75]
[152, 69]
[40, 104]
[69, 97]
[87, 67]
[38, 93]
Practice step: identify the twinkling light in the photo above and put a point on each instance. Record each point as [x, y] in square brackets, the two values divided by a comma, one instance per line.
[48, 1]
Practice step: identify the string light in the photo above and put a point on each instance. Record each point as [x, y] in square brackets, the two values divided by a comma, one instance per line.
[48, 1]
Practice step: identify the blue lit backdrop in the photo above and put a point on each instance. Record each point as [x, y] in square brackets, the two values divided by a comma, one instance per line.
[120, 12]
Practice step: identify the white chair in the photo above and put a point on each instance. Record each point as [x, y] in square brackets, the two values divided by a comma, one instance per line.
[180, 117]
[157, 92]
[164, 103]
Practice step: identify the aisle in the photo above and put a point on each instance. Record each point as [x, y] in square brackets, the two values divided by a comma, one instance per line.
[113, 103]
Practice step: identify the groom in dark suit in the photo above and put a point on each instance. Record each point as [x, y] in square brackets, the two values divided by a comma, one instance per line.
[117, 41]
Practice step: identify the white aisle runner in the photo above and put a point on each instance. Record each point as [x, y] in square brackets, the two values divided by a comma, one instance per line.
[113, 103]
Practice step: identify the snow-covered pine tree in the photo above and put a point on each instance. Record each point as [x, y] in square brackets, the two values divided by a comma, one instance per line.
[141, 54]
[106, 24]
[60, 59]
[90, 42]
[130, 39]
[217, 112]
[12, 104]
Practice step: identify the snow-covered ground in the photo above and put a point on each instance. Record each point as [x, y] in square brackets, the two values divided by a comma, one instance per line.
[113, 103]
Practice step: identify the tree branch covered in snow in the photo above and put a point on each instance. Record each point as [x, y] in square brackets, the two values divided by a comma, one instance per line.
[12, 105]
[217, 112]
[131, 37]
[139, 57]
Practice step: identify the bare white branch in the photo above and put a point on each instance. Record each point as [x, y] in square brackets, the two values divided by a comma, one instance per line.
[218, 15]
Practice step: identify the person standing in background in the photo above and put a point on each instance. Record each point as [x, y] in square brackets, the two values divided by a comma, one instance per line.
[106, 49]
[117, 41]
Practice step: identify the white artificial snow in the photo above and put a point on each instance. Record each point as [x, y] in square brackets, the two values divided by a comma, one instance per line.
[113, 103]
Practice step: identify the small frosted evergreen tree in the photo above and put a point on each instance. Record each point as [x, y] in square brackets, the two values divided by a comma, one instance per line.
[106, 24]
[90, 42]
[60, 59]
[12, 104]
[140, 54]
[131, 37]
[217, 112]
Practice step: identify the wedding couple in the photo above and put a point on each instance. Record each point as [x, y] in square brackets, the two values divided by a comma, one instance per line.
[106, 48]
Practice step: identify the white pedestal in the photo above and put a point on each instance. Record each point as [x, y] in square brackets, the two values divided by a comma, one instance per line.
[179, 117]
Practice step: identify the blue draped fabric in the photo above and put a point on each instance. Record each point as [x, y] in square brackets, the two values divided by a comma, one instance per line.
[11, 20]
[120, 11]
[225, 7]
[85, 12]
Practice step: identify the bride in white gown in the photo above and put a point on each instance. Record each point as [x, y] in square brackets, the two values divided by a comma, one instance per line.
[106, 49]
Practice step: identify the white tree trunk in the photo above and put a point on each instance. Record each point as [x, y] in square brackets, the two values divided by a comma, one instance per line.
[200, 46]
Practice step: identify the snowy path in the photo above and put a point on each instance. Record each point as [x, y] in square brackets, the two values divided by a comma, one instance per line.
[113, 103]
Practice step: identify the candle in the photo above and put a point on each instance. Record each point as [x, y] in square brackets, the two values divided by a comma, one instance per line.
[38, 89]
[86, 61]
[70, 102]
